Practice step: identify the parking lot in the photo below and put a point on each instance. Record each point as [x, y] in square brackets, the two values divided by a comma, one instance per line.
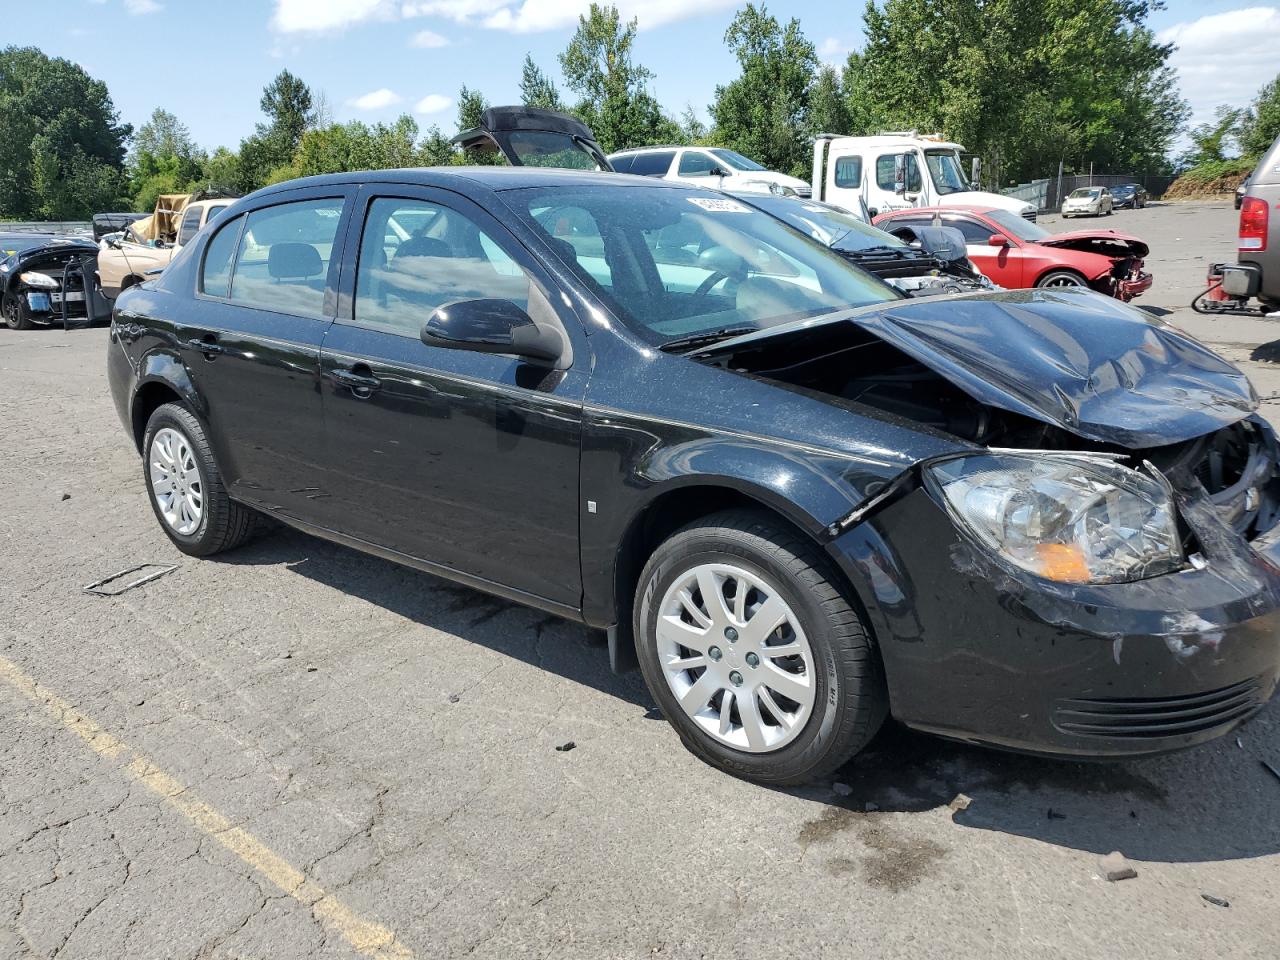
[296, 750]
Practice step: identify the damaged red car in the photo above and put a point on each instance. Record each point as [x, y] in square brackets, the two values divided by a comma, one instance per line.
[1018, 254]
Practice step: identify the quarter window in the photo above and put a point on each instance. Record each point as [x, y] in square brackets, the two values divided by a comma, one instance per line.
[284, 256]
[215, 276]
[190, 226]
[694, 163]
[849, 172]
[416, 256]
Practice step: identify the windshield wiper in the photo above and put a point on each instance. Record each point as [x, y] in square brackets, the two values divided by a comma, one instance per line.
[877, 251]
[702, 339]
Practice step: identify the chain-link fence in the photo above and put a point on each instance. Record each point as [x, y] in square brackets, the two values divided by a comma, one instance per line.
[1047, 194]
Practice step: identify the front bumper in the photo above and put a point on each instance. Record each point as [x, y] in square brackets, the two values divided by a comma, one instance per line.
[1133, 286]
[977, 652]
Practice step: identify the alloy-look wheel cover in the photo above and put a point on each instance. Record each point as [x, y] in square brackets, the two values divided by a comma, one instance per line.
[1066, 281]
[735, 657]
[176, 483]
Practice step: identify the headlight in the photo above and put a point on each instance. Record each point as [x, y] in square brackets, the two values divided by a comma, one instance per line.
[1070, 519]
[38, 280]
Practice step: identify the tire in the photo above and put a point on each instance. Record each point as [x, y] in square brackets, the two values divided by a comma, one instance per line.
[16, 316]
[1062, 278]
[218, 523]
[835, 666]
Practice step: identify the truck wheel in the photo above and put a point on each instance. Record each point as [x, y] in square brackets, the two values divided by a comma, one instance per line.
[754, 653]
[16, 315]
[186, 489]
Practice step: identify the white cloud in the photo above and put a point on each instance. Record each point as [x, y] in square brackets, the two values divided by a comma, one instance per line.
[433, 103]
[428, 40]
[833, 50]
[319, 16]
[533, 16]
[1224, 58]
[376, 100]
[138, 8]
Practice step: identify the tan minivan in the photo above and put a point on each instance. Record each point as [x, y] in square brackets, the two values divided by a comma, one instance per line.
[150, 244]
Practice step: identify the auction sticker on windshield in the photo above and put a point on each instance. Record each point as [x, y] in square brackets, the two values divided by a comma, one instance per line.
[716, 205]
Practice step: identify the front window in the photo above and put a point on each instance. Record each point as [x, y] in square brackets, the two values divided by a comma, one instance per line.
[736, 160]
[944, 167]
[675, 264]
[1013, 224]
[695, 163]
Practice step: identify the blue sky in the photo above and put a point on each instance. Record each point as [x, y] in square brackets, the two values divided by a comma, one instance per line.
[375, 59]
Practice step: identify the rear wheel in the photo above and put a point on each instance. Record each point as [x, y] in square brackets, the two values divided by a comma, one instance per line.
[753, 653]
[16, 315]
[1062, 278]
[186, 489]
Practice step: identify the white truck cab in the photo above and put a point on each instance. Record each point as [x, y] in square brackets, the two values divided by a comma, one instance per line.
[894, 171]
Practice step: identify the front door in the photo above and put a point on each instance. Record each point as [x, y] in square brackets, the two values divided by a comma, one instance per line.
[251, 342]
[467, 460]
[1001, 264]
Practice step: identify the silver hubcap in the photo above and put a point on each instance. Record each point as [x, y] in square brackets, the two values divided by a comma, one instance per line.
[1064, 282]
[175, 481]
[736, 658]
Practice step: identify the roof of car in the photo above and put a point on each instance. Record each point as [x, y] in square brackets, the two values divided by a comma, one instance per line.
[952, 208]
[495, 178]
[661, 146]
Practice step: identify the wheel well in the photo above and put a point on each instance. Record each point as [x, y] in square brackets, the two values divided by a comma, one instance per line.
[131, 280]
[664, 516]
[145, 401]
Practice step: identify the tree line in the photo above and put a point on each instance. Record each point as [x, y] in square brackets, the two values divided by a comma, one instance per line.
[1025, 84]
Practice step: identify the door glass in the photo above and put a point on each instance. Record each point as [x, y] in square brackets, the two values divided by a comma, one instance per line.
[849, 172]
[190, 226]
[215, 276]
[898, 173]
[974, 232]
[416, 256]
[694, 163]
[653, 164]
[285, 255]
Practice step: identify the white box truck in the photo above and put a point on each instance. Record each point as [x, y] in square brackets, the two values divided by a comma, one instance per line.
[893, 171]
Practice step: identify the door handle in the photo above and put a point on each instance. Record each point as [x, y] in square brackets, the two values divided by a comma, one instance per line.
[359, 379]
[207, 345]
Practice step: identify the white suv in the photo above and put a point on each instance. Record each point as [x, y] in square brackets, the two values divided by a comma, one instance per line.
[726, 169]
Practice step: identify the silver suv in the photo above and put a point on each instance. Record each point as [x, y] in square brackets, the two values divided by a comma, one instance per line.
[1259, 242]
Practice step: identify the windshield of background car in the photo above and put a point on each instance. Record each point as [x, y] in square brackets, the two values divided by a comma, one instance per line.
[1085, 193]
[944, 167]
[544, 148]
[833, 228]
[677, 263]
[735, 159]
[11, 243]
[1016, 225]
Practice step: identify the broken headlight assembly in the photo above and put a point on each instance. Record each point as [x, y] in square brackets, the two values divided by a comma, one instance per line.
[1073, 519]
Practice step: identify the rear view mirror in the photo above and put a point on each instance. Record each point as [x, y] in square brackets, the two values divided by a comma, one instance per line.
[491, 326]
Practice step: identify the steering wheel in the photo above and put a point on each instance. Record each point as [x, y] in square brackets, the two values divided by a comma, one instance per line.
[709, 284]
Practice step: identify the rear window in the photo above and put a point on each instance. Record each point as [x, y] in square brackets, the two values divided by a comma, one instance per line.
[652, 164]
[622, 164]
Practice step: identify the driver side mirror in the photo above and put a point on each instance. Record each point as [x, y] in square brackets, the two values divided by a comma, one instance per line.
[491, 326]
[997, 240]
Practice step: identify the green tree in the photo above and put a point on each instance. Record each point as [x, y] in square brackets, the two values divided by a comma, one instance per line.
[613, 95]
[267, 155]
[1260, 125]
[62, 144]
[537, 89]
[1212, 141]
[164, 159]
[764, 113]
[828, 107]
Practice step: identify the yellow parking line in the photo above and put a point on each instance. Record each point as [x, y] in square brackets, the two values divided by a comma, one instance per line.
[365, 936]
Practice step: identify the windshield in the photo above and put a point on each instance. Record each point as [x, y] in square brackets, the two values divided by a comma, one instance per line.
[546, 148]
[830, 227]
[11, 243]
[675, 264]
[1014, 224]
[1084, 193]
[735, 159]
[944, 167]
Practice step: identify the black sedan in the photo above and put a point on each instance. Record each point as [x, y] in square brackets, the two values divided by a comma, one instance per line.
[800, 502]
[1131, 195]
[46, 279]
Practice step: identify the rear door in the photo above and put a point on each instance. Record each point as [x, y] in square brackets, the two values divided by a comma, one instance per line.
[466, 460]
[266, 294]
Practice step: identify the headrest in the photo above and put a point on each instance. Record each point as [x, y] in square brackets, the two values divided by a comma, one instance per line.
[423, 247]
[294, 261]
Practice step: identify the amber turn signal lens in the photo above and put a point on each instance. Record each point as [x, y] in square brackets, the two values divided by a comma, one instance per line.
[1062, 561]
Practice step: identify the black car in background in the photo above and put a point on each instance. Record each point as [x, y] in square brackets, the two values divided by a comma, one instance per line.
[801, 502]
[1131, 195]
[47, 280]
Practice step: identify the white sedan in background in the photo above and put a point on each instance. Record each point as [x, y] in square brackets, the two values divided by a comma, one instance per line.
[1088, 202]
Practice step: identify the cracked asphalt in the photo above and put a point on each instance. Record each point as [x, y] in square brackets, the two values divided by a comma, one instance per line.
[300, 751]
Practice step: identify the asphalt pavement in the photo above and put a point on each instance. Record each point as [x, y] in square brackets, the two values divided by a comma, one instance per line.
[299, 751]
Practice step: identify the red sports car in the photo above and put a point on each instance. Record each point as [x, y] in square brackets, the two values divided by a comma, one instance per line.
[1018, 254]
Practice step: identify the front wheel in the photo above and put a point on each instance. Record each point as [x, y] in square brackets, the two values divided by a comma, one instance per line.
[16, 315]
[1062, 278]
[754, 653]
[185, 486]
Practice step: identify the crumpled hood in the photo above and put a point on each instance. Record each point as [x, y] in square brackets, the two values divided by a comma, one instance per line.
[1107, 242]
[1073, 358]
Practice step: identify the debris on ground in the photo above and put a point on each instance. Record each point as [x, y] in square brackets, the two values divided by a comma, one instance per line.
[1056, 815]
[1239, 743]
[1216, 901]
[106, 587]
[565, 747]
[312, 669]
[1274, 772]
[1116, 867]
[454, 698]
[66, 496]
[961, 802]
[841, 789]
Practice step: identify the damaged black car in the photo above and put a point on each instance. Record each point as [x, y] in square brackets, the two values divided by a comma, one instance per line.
[800, 502]
[47, 280]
